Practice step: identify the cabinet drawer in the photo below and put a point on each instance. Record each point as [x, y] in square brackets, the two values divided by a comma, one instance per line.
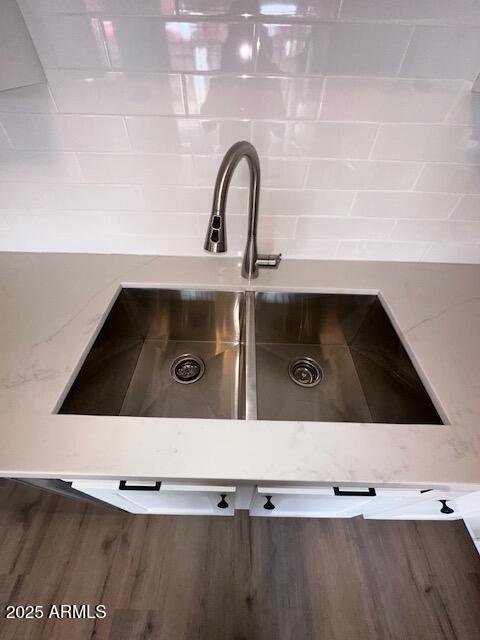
[168, 498]
[412, 504]
[310, 502]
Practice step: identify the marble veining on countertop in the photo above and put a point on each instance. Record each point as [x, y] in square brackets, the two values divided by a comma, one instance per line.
[52, 304]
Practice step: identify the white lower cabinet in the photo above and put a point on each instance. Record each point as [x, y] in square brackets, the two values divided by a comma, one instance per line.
[379, 504]
[166, 498]
[310, 502]
[413, 504]
[183, 498]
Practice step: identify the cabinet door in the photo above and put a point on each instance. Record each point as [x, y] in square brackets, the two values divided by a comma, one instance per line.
[472, 522]
[168, 498]
[412, 504]
[310, 502]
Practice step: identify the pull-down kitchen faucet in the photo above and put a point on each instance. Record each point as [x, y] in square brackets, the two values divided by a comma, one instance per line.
[216, 239]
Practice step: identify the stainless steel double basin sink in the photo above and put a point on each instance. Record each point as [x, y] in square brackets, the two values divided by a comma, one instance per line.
[262, 355]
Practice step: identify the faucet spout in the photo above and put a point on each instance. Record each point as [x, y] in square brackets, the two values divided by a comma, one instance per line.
[216, 238]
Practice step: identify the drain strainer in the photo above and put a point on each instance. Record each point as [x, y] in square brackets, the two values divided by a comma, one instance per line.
[187, 368]
[305, 372]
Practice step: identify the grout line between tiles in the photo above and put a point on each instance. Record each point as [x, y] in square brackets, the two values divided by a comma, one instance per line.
[453, 106]
[52, 98]
[320, 100]
[352, 205]
[455, 207]
[127, 132]
[402, 59]
[189, 16]
[4, 131]
[412, 189]
[183, 89]
[374, 141]
[339, 12]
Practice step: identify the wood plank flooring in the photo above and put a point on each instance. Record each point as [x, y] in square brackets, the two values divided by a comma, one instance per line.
[240, 578]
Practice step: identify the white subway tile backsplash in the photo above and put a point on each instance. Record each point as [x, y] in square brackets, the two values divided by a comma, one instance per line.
[275, 202]
[253, 96]
[185, 135]
[38, 166]
[136, 168]
[116, 223]
[453, 252]
[344, 228]
[384, 251]
[468, 208]
[273, 226]
[71, 196]
[286, 173]
[283, 173]
[114, 7]
[182, 199]
[423, 142]
[430, 11]
[401, 204]
[45, 240]
[5, 221]
[306, 202]
[320, 9]
[361, 111]
[443, 52]
[311, 249]
[436, 231]
[314, 139]
[362, 174]
[97, 92]
[332, 48]
[206, 169]
[178, 199]
[149, 223]
[388, 99]
[63, 222]
[150, 44]
[57, 132]
[354, 49]
[449, 178]
[284, 48]
[33, 99]
[38, 7]
[466, 109]
[68, 41]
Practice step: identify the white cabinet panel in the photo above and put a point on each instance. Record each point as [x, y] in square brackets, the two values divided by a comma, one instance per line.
[166, 498]
[407, 504]
[310, 502]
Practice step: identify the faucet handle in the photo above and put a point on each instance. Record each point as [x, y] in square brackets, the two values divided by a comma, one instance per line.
[270, 261]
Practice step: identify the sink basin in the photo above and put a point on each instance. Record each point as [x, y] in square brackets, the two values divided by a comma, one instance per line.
[165, 353]
[334, 358]
[235, 355]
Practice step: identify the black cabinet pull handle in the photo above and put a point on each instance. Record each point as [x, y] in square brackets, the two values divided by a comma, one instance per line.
[147, 487]
[268, 504]
[370, 493]
[223, 504]
[445, 508]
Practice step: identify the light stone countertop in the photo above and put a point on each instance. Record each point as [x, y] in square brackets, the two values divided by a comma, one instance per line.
[52, 304]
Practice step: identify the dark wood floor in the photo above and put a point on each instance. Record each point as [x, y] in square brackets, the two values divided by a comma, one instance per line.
[241, 578]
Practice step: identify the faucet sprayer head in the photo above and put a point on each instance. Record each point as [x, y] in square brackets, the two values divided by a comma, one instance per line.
[216, 238]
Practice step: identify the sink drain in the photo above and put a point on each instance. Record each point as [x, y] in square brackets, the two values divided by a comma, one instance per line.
[187, 368]
[305, 372]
